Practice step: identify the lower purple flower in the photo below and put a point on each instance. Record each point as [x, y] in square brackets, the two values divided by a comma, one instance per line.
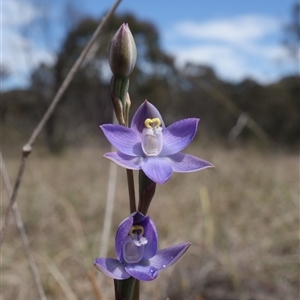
[136, 249]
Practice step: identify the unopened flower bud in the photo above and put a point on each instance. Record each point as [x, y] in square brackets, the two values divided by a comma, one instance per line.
[122, 52]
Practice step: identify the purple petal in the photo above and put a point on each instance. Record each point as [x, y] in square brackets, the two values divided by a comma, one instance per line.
[178, 136]
[142, 271]
[125, 161]
[158, 169]
[150, 233]
[181, 162]
[124, 139]
[122, 233]
[145, 111]
[168, 256]
[111, 267]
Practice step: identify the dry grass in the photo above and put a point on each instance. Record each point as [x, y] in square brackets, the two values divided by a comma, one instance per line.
[242, 219]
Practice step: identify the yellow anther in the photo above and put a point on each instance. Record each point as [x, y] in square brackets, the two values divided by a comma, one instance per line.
[136, 228]
[150, 123]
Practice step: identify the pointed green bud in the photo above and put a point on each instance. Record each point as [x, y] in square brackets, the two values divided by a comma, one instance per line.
[122, 52]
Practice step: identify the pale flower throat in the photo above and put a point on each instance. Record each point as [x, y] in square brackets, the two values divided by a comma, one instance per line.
[152, 138]
[133, 248]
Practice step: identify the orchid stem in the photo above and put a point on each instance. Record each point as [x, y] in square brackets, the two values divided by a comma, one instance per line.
[130, 183]
[136, 292]
[146, 192]
[126, 289]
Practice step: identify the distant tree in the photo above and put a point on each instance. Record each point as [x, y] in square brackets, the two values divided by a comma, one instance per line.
[42, 81]
[4, 72]
[88, 97]
[292, 33]
[177, 92]
[43, 85]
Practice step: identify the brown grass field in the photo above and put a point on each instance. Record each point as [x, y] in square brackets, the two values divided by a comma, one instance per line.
[242, 218]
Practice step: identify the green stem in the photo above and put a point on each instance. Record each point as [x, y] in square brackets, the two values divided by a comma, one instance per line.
[125, 289]
[120, 87]
[146, 192]
[130, 183]
[136, 292]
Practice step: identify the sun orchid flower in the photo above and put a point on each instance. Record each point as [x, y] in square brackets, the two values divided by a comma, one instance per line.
[152, 147]
[136, 249]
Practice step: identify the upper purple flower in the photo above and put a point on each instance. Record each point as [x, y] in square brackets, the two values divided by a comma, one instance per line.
[152, 147]
[136, 249]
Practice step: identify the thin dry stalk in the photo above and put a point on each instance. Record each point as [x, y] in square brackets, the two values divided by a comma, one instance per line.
[22, 232]
[91, 276]
[78, 230]
[207, 217]
[27, 149]
[228, 104]
[109, 207]
[59, 277]
[82, 244]
[12, 197]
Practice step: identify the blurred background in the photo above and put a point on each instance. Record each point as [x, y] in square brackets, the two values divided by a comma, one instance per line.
[234, 65]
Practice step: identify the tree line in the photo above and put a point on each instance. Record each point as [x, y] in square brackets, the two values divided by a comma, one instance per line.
[192, 91]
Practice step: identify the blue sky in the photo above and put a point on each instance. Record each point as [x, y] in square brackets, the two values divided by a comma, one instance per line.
[239, 39]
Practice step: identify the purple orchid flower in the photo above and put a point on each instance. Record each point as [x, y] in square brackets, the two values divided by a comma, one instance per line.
[136, 249]
[150, 146]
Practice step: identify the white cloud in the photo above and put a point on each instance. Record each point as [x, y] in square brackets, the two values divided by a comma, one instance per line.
[16, 13]
[232, 64]
[239, 47]
[223, 59]
[20, 53]
[235, 30]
